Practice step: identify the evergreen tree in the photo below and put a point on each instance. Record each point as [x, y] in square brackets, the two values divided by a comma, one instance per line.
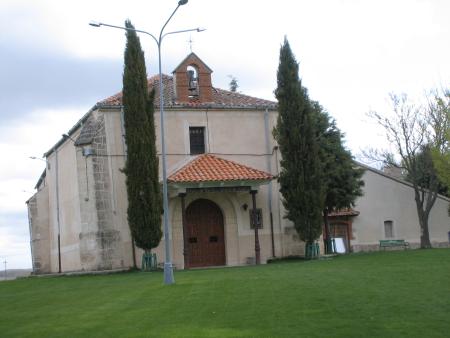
[342, 177]
[301, 182]
[141, 168]
[233, 83]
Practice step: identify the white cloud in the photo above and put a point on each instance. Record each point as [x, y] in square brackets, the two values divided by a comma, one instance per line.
[14, 248]
[26, 137]
[30, 137]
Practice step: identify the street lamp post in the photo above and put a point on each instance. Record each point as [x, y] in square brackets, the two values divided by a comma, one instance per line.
[168, 270]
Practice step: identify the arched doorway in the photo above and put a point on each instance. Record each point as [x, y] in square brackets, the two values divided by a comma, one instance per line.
[205, 234]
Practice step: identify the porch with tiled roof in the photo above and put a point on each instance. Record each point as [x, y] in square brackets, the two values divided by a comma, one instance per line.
[207, 173]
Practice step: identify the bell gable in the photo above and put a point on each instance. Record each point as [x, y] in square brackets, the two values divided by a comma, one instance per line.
[192, 81]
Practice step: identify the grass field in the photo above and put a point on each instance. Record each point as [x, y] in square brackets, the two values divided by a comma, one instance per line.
[386, 294]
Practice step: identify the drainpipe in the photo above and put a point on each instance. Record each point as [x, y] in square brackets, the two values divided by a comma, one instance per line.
[57, 209]
[122, 129]
[275, 148]
[269, 169]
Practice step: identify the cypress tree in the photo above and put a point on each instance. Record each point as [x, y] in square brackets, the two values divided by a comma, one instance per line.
[141, 168]
[301, 181]
[342, 178]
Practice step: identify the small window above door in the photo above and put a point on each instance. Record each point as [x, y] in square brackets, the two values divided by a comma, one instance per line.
[197, 140]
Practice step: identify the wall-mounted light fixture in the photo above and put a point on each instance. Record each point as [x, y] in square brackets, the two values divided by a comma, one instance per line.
[66, 136]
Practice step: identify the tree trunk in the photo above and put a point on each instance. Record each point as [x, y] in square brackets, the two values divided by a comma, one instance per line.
[424, 231]
[423, 222]
[327, 241]
[133, 251]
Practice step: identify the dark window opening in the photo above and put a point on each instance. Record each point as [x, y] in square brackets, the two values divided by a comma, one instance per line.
[213, 239]
[192, 240]
[197, 140]
[192, 75]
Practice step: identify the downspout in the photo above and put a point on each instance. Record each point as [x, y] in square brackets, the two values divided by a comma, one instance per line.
[269, 169]
[124, 145]
[57, 209]
[122, 129]
[275, 148]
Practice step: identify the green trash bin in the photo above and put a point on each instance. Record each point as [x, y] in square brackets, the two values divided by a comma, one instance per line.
[149, 262]
[312, 251]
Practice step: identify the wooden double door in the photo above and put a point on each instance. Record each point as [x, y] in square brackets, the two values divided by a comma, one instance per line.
[205, 234]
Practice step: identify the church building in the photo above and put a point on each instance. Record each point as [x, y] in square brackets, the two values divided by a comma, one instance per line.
[222, 165]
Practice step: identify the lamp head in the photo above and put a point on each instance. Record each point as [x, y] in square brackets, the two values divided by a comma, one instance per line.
[95, 24]
[182, 2]
[201, 29]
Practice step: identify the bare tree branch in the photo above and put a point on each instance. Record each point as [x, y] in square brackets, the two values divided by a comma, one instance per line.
[412, 130]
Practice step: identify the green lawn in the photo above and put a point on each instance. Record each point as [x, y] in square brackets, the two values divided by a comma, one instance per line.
[386, 294]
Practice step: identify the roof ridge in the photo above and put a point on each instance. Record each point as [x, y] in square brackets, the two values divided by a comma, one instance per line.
[393, 178]
[221, 98]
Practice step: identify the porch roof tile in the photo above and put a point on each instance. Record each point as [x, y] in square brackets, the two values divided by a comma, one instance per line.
[210, 168]
[343, 212]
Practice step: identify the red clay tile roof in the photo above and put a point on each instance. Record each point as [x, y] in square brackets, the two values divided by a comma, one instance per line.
[343, 212]
[221, 98]
[209, 168]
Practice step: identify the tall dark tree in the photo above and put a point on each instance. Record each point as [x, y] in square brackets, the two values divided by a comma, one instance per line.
[342, 177]
[301, 182]
[141, 168]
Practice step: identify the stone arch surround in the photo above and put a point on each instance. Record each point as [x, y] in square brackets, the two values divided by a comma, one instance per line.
[227, 203]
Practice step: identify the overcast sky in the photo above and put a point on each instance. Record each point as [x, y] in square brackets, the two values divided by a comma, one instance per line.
[54, 67]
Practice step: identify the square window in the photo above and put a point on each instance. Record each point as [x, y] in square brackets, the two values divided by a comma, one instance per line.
[197, 140]
[388, 229]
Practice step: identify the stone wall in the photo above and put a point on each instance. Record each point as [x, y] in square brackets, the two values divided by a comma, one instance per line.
[376, 247]
[100, 241]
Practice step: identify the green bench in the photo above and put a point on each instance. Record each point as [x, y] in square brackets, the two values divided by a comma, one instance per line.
[392, 243]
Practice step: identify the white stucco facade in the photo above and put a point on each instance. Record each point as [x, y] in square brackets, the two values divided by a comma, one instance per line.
[84, 198]
[389, 199]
